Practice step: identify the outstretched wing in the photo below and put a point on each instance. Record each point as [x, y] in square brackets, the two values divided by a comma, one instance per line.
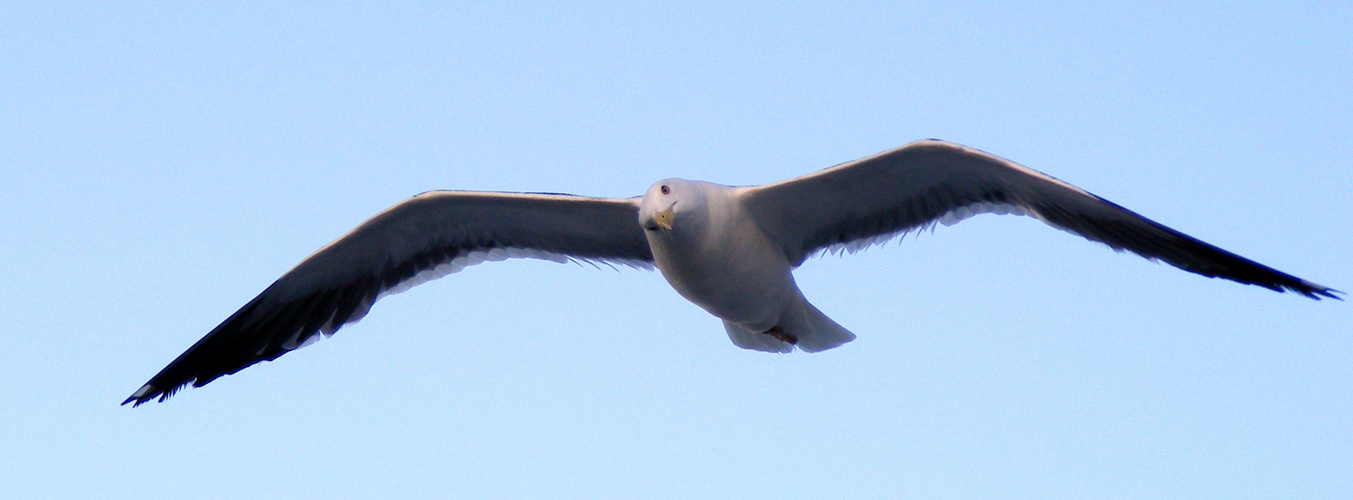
[874, 199]
[422, 238]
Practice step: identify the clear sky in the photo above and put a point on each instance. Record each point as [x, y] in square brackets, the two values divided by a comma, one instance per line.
[162, 164]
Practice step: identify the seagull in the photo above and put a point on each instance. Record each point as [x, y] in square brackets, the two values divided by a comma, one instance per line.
[730, 250]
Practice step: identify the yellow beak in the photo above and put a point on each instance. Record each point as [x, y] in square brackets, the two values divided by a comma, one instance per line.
[665, 218]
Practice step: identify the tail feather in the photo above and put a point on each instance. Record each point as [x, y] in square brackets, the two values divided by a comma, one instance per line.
[815, 331]
[754, 340]
[812, 330]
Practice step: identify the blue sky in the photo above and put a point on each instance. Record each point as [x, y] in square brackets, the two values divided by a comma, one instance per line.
[164, 163]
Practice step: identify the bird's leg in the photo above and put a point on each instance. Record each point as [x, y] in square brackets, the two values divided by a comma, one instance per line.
[779, 334]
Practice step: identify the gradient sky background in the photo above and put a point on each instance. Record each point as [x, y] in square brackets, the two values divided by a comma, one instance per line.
[162, 164]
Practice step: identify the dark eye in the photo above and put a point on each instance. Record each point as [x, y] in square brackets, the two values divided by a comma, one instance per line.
[666, 190]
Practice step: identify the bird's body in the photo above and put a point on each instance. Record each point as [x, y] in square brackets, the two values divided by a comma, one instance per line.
[720, 260]
[718, 257]
[729, 250]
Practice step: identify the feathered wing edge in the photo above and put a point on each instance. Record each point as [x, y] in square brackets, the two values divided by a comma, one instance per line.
[873, 200]
[420, 239]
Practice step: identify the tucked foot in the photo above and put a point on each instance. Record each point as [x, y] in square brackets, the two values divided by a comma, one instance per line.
[779, 334]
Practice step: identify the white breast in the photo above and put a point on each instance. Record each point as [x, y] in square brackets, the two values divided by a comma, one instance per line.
[721, 261]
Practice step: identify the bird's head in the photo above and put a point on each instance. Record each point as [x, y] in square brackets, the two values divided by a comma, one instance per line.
[665, 201]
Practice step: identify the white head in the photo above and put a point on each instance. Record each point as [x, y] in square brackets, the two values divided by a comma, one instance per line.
[668, 202]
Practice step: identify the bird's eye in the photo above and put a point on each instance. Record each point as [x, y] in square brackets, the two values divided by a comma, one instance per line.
[666, 190]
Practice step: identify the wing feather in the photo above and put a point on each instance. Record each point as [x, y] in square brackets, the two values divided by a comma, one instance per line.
[422, 238]
[871, 200]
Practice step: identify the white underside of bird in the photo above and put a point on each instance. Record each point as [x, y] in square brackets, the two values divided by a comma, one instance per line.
[715, 255]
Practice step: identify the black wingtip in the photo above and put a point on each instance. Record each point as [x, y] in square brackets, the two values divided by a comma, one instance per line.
[1313, 290]
[145, 394]
[1328, 293]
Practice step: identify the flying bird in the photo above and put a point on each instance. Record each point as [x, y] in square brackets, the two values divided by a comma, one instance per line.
[729, 250]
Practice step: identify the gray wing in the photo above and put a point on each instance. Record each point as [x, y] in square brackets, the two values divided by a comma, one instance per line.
[871, 200]
[422, 238]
